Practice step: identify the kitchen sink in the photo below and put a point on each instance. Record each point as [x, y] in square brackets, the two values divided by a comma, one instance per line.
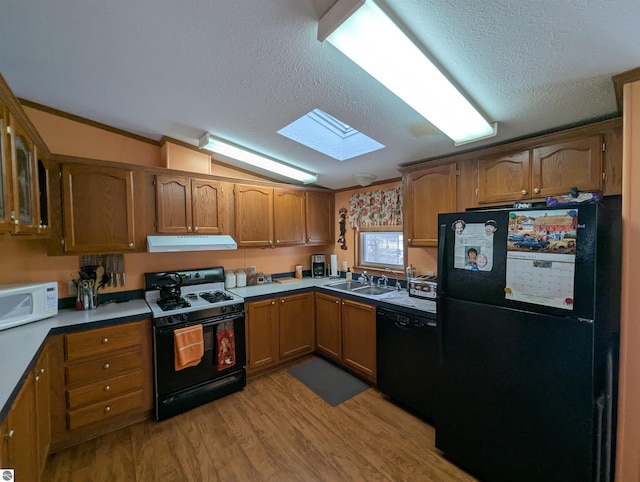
[372, 290]
[347, 285]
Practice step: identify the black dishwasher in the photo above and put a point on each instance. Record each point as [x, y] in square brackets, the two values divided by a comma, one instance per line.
[407, 360]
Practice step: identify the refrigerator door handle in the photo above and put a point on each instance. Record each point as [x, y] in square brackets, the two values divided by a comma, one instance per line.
[442, 273]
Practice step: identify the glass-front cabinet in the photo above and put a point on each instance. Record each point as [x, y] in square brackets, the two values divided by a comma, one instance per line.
[24, 206]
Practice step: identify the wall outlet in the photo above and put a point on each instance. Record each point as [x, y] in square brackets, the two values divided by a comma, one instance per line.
[429, 273]
[344, 266]
[73, 290]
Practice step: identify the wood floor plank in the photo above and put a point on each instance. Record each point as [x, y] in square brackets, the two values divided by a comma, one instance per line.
[276, 429]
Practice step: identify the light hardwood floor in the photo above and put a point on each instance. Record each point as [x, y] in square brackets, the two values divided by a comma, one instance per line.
[276, 429]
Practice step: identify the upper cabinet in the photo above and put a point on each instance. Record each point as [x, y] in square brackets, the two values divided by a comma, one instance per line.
[427, 192]
[319, 217]
[98, 209]
[542, 171]
[186, 205]
[253, 216]
[23, 171]
[266, 216]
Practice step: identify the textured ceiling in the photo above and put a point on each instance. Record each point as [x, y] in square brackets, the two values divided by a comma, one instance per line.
[242, 70]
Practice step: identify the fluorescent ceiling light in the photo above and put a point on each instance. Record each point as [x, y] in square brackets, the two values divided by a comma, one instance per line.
[241, 154]
[365, 34]
[326, 134]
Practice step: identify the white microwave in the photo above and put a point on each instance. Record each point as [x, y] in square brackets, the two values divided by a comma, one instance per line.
[20, 304]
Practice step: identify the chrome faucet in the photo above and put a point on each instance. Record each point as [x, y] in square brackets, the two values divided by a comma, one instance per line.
[365, 278]
[383, 281]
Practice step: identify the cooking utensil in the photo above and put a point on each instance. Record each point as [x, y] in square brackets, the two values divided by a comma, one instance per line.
[121, 269]
[170, 285]
[99, 275]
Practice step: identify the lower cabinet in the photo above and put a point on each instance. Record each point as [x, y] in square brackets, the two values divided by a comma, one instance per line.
[279, 330]
[346, 333]
[104, 381]
[26, 432]
[20, 443]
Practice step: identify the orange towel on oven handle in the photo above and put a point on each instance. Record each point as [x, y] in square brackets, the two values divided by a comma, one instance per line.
[226, 345]
[188, 346]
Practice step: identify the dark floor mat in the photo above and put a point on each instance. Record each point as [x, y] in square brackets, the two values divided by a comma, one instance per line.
[327, 381]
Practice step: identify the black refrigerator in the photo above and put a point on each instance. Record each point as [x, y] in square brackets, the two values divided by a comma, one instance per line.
[528, 331]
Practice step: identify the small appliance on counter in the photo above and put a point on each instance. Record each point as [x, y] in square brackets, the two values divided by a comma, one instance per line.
[423, 286]
[318, 266]
[21, 304]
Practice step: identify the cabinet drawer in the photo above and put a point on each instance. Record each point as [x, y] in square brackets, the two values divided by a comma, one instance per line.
[104, 410]
[103, 390]
[104, 367]
[101, 340]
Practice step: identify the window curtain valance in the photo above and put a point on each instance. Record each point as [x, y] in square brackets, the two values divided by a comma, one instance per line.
[376, 208]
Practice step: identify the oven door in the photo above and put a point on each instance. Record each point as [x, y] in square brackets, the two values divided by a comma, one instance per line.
[169, 381]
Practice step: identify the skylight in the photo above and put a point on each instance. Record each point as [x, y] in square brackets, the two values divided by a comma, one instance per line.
[330, 136]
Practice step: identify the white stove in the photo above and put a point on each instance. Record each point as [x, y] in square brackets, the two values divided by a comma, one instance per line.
[200, 295]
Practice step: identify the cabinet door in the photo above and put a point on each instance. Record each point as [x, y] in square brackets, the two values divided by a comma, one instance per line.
[98, 209]
[428, 192]
[575, 162]
[262, 334]
[505, 178]
[359, 337]
[6, 224]
[43, 408]
[173, 204]
[25, 200]
[288, 217]
[22, 443]
[296, 325]
[329, 326]
[206, 200]
[319, 217]
[253, 216]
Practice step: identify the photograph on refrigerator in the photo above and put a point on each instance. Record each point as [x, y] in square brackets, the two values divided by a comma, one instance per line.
[474, 245]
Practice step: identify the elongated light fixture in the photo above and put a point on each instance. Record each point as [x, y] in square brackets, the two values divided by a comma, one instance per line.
[241, 154]
[365, 34]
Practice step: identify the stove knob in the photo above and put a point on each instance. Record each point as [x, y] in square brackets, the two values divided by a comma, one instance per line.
[223, 309]
[233, 308]
[197, 275]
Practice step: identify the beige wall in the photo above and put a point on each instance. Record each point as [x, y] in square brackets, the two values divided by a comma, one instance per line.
[628, 455]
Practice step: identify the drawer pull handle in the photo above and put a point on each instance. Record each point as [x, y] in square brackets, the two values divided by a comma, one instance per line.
[105, 340]
[107, 388]
[37, 377]
[106, 365]
[10, 434]
[107, 409]
[523, 192]
[42, 370]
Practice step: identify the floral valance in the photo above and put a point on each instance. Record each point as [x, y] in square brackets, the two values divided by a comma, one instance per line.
[376, 208]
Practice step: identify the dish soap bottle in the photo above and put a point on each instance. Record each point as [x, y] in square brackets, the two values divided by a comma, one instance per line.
[349, 275]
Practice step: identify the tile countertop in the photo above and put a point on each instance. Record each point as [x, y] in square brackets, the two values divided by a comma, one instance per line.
[20, 344]
[400, 299]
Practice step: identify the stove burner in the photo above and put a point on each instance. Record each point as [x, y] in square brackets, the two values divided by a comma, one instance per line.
[172, 303]
[192, 296]
[215, 296]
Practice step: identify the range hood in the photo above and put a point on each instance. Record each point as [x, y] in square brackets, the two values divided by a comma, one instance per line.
[196, 242]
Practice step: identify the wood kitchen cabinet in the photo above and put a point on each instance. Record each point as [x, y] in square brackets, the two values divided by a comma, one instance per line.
[21, 444]
[42, 380]
[99, 215]
[427, 193]
[296, 325]
[23, 179]
[319, 217]
[253, 216]
[279, 330]
[188, 205]
[288, 217]
[542, 171]
[329, 326]
[102, 381]
[346, 333]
